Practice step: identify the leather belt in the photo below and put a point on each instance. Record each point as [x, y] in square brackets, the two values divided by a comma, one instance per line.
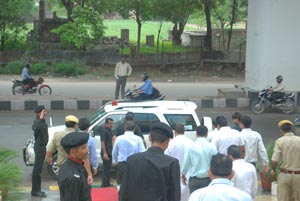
[289, 171]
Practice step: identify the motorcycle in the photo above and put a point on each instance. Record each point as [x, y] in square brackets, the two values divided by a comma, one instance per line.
[19, 88]
[264, 100]
[132, 94]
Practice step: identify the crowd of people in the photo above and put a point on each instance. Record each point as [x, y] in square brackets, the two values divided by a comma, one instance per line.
[219, 165]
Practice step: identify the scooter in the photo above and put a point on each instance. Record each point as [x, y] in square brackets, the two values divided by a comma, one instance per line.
[132, 94]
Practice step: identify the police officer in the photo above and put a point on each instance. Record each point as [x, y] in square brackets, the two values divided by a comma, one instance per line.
[287, 154]
[40, 129]
[72, 176]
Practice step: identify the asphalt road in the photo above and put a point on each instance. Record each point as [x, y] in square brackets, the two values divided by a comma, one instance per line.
[87, 89]
[15, 129]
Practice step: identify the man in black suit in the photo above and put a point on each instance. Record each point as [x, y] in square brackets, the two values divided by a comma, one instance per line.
[151, 175]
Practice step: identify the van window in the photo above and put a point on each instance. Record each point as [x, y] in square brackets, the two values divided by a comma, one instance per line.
[118, 119]
[145, 120]
[186, 119]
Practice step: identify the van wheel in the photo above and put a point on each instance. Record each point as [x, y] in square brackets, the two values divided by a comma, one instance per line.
[53, 169]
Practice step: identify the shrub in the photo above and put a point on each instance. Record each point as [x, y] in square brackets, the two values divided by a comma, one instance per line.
[38, 68]
[72, 68]
[14, 67]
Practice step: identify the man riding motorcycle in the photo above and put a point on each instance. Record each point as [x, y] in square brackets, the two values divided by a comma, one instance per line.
[27, 77]
[146, 90]
[278, 90]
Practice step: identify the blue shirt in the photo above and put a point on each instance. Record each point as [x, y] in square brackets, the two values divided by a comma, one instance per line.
[220, 189]
[147, 87]
[26, 74]
[92, 153]
[126, 145]
[197, 158]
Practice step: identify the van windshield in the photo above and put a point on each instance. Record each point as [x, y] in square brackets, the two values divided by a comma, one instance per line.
[96, 115]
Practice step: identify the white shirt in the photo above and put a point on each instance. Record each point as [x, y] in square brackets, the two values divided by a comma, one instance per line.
[122, 69]
[227, 137]
[212, 134]
[245, 177]
[126, 145]
[220, 189]
[254, 146]
[177, 147]
[279, 87]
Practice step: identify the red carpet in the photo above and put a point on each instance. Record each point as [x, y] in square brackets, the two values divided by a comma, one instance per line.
[104, 194]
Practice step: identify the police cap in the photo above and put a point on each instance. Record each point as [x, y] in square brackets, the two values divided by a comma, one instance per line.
[71, 118]
[283, 122]
[39, 108]
[74, 139]
[163, 129]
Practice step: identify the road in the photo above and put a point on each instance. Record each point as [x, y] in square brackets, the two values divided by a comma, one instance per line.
[78, 89]
[15, 129]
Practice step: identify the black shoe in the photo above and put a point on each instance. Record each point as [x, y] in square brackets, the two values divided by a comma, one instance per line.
[39, 194]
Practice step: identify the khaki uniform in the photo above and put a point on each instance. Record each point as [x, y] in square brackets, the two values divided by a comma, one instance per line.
[287, 153]
[55, 145]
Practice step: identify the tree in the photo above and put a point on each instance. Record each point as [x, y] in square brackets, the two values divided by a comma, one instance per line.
[141, 10]
[228, 12]
[85, 29]
[208, 5]
[12, 19]
[178, 12]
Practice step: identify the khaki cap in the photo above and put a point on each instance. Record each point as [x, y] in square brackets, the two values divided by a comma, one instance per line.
[282, 122]
[71, 118]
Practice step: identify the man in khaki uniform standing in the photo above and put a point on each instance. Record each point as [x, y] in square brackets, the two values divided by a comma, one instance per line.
[287, 154]
[71, 123]
[122, 71]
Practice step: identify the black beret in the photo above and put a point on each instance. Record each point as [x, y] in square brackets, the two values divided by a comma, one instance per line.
[163, 129]
[39, 108]
[74, 139]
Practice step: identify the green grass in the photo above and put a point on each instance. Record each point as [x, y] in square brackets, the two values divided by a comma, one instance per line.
[113, 28]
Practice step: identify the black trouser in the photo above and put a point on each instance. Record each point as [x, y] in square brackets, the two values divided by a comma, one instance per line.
[196, 183]
[121, 82]
[28, 81]
[106, 171]
[40, 153]
[121, 166]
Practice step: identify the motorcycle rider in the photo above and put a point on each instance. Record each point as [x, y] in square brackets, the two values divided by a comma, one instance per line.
[278, 90]
[27, 77]
[146, 90]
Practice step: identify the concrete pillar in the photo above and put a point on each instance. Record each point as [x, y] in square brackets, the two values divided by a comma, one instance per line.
[273, 43]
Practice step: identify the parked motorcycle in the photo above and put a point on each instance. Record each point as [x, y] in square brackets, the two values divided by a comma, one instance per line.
[19, 88]
[131, 94]
[264, 101]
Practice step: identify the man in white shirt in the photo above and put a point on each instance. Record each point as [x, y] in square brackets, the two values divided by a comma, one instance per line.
[245, 177]
[122, 71]
[196, 161]
[177, 147]
[254, 145]
[214, 133]
[221, 187]
[125, 146]
[227, 136]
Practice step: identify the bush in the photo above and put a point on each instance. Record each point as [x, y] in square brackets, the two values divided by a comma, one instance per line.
[14, 67]
[72, 68]
[10, 173]
[39, 68]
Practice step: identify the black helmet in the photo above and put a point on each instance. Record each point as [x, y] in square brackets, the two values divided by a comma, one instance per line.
[145, 76]
[279, 78]
[27, 65]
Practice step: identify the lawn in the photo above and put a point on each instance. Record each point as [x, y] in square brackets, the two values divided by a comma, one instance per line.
[113, 28]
